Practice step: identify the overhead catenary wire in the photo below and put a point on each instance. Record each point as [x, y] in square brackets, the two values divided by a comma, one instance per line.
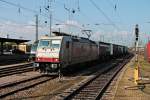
[16, 24]
[80, 11]
[111, 4]
[85, 25]
[28, 9]
[115, 6]
[19, 6]
[44, 14]
[101, 11]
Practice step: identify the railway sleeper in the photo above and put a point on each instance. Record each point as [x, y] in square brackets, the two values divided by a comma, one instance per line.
[12, 68]
[83, 98]
[88, 90]
[21, 87]
[95, 88]
[18, 72]
[97, 83]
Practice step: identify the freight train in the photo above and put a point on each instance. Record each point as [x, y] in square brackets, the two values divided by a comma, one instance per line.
[63, 50]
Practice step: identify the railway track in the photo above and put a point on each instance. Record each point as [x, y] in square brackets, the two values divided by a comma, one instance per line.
[94, 88]
[13, 87]
[16, 69]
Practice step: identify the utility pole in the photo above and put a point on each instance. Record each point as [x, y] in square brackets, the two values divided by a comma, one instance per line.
[69, 16]
[7, 35]
[36, 26]
[50, 17]
[70, 12]
[49, 10]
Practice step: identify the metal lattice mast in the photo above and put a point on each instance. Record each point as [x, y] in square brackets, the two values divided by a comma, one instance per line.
[36, 26]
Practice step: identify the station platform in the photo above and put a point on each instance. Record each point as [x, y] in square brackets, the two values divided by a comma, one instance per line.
[124, 88]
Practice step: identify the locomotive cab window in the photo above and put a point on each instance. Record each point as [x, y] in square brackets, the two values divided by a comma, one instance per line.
[50, 43]
[55, 44]
[44, 43]
[67, 44]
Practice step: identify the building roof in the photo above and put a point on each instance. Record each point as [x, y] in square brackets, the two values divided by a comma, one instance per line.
[13, 40]
[61, 33]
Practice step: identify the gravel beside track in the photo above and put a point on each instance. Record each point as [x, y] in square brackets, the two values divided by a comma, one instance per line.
[8, 89]
[6, 71]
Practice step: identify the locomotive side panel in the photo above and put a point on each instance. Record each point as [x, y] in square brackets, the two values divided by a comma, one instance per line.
[94, 53]
[83, 52]
[65, 52]
[76, 52]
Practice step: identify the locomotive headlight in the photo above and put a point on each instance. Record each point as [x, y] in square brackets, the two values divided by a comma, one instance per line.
[36, 64]
[56, 59]
[38, 58]
[54, 66]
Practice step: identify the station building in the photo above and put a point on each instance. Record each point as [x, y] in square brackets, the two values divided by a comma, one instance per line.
[13, 45]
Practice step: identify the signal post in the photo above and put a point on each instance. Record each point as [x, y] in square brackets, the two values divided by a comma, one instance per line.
[136, 63]
[136, 68]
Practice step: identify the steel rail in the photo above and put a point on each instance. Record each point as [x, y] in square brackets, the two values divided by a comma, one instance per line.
[6, 71]
[10, 88]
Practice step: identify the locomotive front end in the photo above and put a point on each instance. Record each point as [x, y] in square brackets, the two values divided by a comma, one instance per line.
[48, 55]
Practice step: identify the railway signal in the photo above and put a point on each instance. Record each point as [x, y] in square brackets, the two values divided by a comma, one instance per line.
[136, 69]
[137, 32]
[136, 64]
[136, 41]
